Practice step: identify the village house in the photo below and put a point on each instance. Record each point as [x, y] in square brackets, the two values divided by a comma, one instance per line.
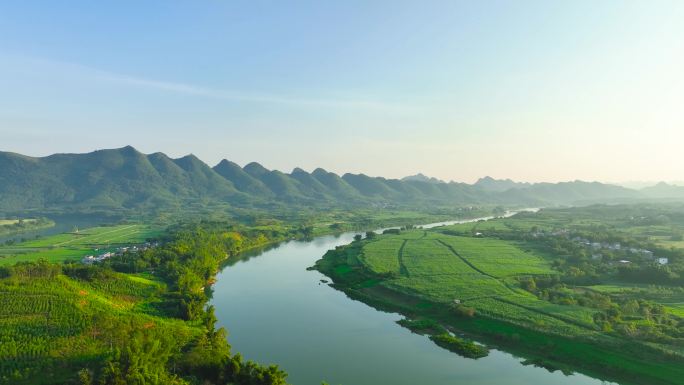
[90, 259]
[647, 253]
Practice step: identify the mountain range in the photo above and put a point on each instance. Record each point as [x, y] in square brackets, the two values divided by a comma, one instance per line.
[125, 178]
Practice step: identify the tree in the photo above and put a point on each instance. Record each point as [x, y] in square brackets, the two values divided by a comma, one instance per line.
[85, 377]
[631, 307]
[142, 361]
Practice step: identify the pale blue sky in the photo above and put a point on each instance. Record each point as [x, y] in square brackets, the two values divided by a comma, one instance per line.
[531, 90]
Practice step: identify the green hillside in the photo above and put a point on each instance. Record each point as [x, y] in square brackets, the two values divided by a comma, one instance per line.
[127, 179]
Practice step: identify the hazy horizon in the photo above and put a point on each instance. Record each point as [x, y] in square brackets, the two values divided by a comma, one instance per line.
[532, 91]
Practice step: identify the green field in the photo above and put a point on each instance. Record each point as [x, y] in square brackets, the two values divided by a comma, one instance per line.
[498, 258]
[441, 274]
[435, 271]
[476, 271]
[47, 319]
[383, 256]
[75, 245]
[666, 241]
[503, 224]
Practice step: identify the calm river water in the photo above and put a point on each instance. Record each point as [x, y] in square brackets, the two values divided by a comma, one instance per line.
[278, 312]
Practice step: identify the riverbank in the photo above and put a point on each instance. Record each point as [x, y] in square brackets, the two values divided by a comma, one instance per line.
[595, 355]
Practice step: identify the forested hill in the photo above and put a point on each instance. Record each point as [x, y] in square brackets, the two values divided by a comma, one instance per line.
[126, 178]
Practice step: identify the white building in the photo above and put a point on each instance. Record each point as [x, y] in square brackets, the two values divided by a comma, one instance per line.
[647, 253]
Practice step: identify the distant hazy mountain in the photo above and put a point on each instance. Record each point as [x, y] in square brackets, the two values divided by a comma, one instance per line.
[664, 190]
[490, 184]
[421, 178]
[639, 185]
[127, 179]
[577, 192]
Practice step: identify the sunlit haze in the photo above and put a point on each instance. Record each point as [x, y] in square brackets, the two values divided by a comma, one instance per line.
[528, 90]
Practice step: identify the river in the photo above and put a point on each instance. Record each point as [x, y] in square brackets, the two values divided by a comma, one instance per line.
[278, 312]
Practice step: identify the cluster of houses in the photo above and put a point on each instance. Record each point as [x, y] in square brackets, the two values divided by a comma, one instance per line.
[546, 233]
[598, 246]
[90, 259]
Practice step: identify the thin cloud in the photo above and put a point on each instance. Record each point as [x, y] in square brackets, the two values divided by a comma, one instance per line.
[190, 89]
[91, 73]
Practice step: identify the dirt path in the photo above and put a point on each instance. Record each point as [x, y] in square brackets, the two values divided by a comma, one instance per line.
[400, 255]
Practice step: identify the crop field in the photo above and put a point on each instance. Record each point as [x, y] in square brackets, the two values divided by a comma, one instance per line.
[479, 272]
[414, 234]
[666, 241]
[676, 309]
[383, 256]
[422, 264]
[429, 258]
[444, 288]
[510, 310]
[578, 315]
[543, 221]
[75, 245]
[511, 223]
[44, 319]
[494, 224]
[429, 267]
[498, 258]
